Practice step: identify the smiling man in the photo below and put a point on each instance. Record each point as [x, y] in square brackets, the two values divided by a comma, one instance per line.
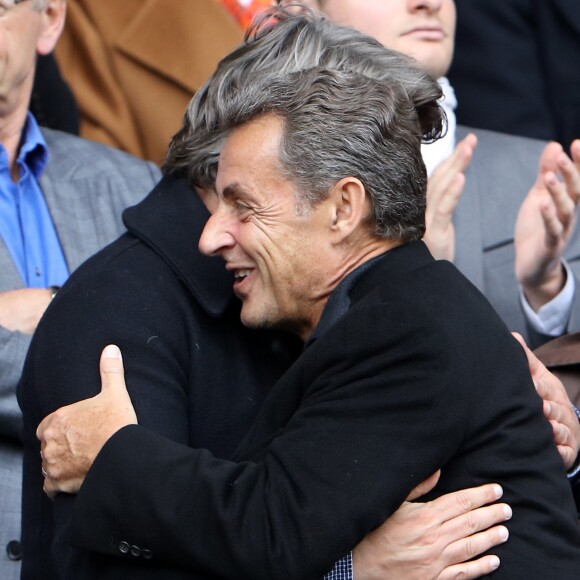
[288, 250]
[320, 211]
[271, 239]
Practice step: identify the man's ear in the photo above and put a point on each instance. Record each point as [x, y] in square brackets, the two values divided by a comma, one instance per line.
[53, 15]
[349, 207]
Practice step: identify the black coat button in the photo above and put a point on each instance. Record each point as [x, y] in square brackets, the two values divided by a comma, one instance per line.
[14, 550]
[135, 551]
[147, 554]
[124, 547]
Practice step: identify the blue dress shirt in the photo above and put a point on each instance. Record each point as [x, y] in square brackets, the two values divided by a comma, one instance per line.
[25, 222]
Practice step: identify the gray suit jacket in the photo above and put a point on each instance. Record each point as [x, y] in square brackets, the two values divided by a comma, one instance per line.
[86, 187]
[501, 173]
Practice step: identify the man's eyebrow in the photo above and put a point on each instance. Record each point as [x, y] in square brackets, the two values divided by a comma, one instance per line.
[232, 190]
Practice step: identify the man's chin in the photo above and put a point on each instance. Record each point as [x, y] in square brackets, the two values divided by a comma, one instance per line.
[436, 67]
[252, 319]
[434, 59]
[258, 320]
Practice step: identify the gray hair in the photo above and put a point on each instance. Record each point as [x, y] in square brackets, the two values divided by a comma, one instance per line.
[281, 42]
[340, 123]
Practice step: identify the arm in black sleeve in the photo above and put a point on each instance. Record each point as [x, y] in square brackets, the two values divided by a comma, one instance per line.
[299, 499]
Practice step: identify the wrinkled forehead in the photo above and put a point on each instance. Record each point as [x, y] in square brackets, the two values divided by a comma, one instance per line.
[251, 147]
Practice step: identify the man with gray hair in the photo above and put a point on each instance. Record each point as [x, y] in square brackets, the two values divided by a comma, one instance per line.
[177, 305]
[61, 200]
[320, 206]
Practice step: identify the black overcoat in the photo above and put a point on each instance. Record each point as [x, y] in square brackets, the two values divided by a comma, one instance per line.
[418, 374]
[195, 374]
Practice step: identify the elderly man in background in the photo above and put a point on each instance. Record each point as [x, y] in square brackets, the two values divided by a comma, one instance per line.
[61, 200]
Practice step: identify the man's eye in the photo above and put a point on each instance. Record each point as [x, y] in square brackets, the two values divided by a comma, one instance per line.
[241, 206]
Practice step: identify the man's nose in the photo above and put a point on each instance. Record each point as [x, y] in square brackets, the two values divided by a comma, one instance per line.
[429, 5]
[217, 235]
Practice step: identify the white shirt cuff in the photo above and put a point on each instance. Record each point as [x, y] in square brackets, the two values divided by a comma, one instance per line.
[552, 318]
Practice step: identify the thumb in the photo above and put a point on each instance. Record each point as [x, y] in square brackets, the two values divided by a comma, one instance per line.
[425, 486]
[541, 376]
[114, 389]
[535, 364]
[112, 371]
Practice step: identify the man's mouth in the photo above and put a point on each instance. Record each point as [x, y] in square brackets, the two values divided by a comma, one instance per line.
[239, 275]
[432, 33]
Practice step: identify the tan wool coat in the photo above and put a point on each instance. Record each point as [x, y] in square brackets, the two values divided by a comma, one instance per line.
[133, 65]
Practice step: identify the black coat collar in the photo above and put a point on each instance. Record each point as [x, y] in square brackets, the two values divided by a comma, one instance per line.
[393, 264]
[170, 220]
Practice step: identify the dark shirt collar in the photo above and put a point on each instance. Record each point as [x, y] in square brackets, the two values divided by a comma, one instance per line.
[339, 300]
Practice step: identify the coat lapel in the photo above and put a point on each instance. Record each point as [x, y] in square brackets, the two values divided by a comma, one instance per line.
[81, 212]
[65, 215]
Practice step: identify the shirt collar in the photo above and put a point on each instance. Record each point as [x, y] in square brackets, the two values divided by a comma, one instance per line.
[339, 300]
[33, 150]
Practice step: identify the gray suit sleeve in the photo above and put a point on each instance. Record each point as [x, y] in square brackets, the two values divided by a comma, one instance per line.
[13, 349]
